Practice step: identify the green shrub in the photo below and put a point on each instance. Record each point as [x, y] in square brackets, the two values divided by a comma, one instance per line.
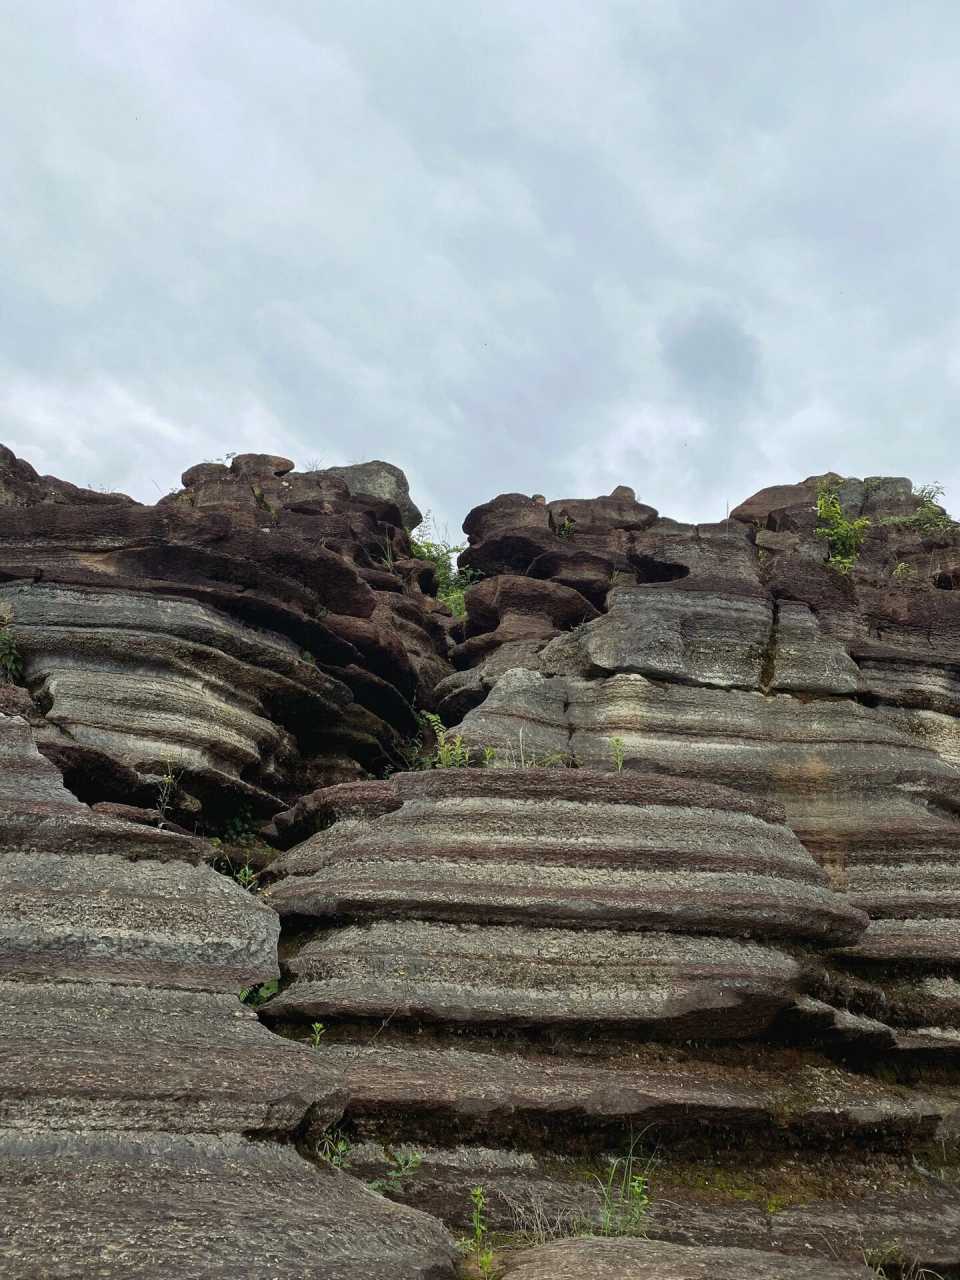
[929, 517]
[449, 753]
[11, 660]
[452, 583]
[843, 537]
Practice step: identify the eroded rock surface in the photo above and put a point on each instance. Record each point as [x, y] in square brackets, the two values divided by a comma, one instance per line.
[132, 1079]
[686, 928]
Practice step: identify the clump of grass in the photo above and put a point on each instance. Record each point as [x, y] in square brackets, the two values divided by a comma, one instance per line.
[624, 1194]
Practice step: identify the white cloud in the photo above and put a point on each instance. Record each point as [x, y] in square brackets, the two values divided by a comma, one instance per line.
[520, 246]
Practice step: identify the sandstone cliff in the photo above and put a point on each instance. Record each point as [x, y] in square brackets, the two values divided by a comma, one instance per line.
[665, 958]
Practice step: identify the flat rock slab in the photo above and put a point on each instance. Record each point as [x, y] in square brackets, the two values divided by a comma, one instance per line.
[161, 924]
[612, 853]
[98, 1056]
[122, 1206]
[510, 974]
[920, 1231]
[482, 1094]
[599, 1259]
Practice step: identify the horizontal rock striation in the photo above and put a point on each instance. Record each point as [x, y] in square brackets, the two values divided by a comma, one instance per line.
[676, 959]
[649, 1260]
[132, 1075]
[259, 633]
[496, 896]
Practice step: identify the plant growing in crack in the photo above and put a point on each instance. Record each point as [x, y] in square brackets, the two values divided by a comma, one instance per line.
[843, 537]
[11, 659]
[619, 759]
[166, 791]
[335, 1149]
[402, 1165]
[317, 1032]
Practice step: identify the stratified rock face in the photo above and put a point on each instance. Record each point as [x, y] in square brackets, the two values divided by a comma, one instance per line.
[258, 634]
[494, 951]
[832, 694]
[131, 1072]
[687, 927]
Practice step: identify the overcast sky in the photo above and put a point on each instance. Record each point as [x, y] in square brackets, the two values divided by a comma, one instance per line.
[693, 246]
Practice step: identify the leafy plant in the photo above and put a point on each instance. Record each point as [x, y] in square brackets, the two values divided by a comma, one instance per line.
[566, 528]
[11, 660]
[317, 1032]
[618, 756]
[335, 1149]
[843, 537]
[242, 829]
[904, 572]
[403, 1165]
[452, 583]
[929, 517]
[482, 1254]
[245, 876]
[258, 994]
[449, 753]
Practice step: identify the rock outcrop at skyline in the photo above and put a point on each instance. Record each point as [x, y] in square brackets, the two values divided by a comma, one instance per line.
[663, 907]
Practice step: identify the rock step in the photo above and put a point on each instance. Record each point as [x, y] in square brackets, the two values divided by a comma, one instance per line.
[99, 1056]
[513, 975]
[103, 918]
[928, 941]
[130, 1206]
[463, 1094]
[613, 1259]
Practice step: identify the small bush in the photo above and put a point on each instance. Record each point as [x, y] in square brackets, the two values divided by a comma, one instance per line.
[11, 660]
[843, 537]
[452, 583]
[929, 517]
[449, 752]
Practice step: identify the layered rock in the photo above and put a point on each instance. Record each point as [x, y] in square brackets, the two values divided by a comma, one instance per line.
[504, 957]
[257, 634]
[132, 1077]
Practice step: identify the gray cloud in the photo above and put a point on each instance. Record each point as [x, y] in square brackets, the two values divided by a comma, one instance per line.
[550, 246]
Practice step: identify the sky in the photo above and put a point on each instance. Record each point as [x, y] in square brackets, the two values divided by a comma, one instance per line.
[546, 246]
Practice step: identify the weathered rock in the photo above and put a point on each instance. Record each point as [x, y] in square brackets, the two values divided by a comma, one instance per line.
[656, 1260]
[568, 848]
[102, 1056]
[383, 480]
[106, 919]
[892, 1231]
[132, 1206]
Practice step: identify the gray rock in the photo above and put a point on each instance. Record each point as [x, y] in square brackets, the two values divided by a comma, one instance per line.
[102, 918]
[383, 480]
[611, 1259]
[124, 1206]
[99, 1056]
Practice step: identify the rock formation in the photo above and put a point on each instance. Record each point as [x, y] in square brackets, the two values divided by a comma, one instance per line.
[676, 956]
